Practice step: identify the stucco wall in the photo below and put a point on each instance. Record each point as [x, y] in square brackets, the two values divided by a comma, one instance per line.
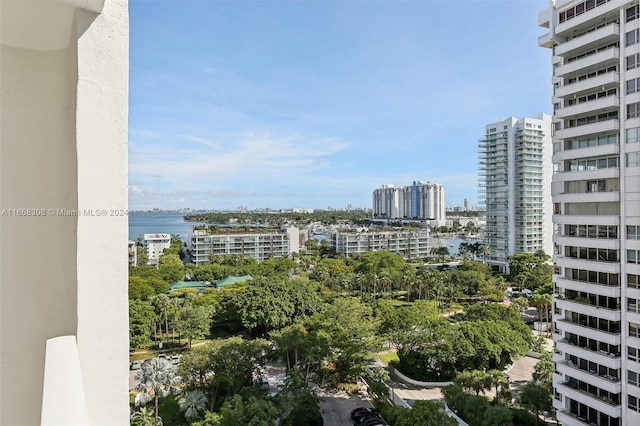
[63, 145]
[102, 257]
[38, 262]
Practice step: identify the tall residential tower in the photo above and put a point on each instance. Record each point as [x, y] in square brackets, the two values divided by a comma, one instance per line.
[421, 200]
[596, 195]
[515, 179]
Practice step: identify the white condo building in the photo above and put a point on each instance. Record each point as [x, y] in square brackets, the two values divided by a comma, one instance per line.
[154, 245]
[260, 244]
[421, 200]
[411, 245]
[515, 187]
[596, 195]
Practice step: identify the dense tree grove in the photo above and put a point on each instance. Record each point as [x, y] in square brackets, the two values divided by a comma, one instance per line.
[323, 317]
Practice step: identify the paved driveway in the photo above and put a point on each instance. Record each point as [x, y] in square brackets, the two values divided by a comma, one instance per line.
[336, 407]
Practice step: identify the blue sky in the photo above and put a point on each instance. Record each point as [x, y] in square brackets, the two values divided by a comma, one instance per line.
[284, 104]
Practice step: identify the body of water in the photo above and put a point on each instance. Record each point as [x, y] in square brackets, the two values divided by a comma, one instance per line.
[453, 244]
[167, 223]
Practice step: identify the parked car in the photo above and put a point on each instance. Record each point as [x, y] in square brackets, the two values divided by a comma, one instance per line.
[360, 412]
[175, 359]
[135, 365]
[372, 419]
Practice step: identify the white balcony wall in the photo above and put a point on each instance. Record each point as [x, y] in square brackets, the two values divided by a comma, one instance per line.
[592, 333]
[63, 125]
[593, 151]
[586, 85]
[603, 290]
[610, 56]
[608, 173]
[566, 28]
[582, 308]
[601, 35]
[597, 357]
[591, 197]
[564, 368]
[587, 107]
[589, 129]
[587, 220]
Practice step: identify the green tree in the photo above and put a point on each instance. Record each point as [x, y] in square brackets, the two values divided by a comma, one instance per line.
[423, 412]
[224, 366]
[140, 288]
[157, 377]
[350, 327]
[535, 398]
[193, 404]
[194, 322]
[252, 412]
[267, 304]
[171, 268]
[145, 417]
[441, 253]
[543, 371]
[142, 320]
[530, 270]
[496, 415]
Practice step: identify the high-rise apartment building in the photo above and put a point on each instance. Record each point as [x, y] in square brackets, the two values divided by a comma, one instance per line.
[515, 180]
[596, 196]
[421, 200]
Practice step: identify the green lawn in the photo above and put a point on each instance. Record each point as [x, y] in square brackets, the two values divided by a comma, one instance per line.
[387, 358]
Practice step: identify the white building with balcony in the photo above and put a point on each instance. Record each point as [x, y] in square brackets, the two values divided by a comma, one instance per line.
[413, 244]
[64, 335]
[595, 47]
[515, 187]
[154, 245]
[260, 244]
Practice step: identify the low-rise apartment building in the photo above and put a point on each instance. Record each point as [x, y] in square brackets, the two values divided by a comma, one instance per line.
[413, 244]
[155, 245]
[260, 244]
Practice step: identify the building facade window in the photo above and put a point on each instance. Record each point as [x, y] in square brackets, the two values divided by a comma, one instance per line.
[634, 330]
[633, 256]
[632, 13]
[633, 61]
[633, 85]
[631, 37]
[591, 231]
[580, 8]
[633, 403]
[633, 110]
[633, 135]
[592, 253]
[633, 354]
[591, 141]
[633, 159]
[633, 281]
[633, 232]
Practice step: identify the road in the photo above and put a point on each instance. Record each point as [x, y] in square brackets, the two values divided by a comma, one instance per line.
[336, 407]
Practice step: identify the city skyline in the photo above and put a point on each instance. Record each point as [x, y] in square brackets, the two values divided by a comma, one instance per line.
[291, 104]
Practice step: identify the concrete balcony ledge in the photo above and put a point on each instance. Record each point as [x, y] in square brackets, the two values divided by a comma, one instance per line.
[63, 397]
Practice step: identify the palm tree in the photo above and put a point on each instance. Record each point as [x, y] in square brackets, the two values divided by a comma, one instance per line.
[483, 250]
[161, 304]
[159, 377]
[145, 417]
[193, 404]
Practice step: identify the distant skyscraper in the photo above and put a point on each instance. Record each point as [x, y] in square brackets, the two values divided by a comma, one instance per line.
[515, 186]
[596, 195]
[421, 200]
[467, 204]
